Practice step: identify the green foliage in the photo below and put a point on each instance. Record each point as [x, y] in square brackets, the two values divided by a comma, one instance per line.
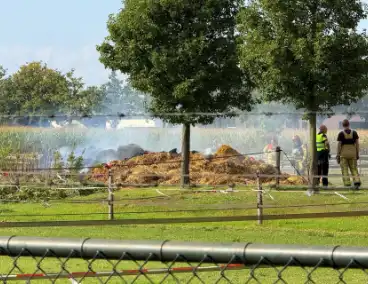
[182, 53]
[39, 89]
[122, 98]
[307, 53]
[79, 99]
[58, 161]
[8, 100]
[41, 194]
[31, 194]
[36, 89]
[74, 162]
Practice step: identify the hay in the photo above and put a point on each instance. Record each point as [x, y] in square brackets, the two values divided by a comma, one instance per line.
[294, 180]
[226, 150]
[164, 168]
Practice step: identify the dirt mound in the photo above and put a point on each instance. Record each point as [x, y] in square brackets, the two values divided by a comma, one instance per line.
[164, 168]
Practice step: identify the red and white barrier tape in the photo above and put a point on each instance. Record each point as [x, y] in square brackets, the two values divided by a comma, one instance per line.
[130, 272]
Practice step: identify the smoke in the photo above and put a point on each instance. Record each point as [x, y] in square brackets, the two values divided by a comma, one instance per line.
[247, 134]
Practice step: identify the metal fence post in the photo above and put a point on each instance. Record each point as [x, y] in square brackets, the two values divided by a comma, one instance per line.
[259, 200]
[111, 196]
[278, 165]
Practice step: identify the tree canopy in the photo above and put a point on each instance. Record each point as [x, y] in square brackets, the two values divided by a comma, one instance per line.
[79, 99]
[182, 53]
[122, 98]
[307, 53]
[36, 89]
[39, 89]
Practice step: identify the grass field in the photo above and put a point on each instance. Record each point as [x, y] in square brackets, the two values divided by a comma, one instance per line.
[146, 203]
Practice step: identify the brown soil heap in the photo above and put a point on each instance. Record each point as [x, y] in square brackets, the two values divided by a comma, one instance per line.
[224, 167]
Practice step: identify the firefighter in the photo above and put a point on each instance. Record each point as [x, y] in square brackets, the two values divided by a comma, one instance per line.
[323, 154]
[270, 152]
[305, 160]
[348, 154]
[298, 155]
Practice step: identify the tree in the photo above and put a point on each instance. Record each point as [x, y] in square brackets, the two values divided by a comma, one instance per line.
[80, 100]
[7, 106]
[122, 98]
[2, 72]
[182, 53]
[39, 90]
[307, 53]
[114, 93]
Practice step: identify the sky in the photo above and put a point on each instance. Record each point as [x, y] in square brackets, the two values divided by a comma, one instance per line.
[61, 33]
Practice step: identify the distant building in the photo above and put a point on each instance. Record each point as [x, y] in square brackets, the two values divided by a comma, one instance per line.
[123, 123]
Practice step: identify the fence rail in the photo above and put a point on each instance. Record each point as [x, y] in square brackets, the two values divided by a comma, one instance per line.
[127, 261]
[257, 181]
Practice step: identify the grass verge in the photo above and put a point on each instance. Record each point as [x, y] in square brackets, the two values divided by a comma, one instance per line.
[148, 203]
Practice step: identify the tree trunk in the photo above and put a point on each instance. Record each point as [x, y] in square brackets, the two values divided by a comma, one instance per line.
[185, 154]
[313, 151]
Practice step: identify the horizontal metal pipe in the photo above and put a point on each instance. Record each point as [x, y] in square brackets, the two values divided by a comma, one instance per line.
[169, 251]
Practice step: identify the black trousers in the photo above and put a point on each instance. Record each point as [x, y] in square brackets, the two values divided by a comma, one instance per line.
[323, 167]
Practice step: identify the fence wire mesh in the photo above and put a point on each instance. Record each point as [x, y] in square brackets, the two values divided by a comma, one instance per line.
[37, 260]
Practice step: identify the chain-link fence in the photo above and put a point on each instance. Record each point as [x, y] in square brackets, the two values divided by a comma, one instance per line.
[53, 260]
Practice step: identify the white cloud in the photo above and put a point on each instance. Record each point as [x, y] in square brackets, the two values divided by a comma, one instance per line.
[84, 60]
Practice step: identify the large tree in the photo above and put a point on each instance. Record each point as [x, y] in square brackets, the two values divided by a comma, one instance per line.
[307, 53]
[182, 53]
[39, 90]
[36, 92]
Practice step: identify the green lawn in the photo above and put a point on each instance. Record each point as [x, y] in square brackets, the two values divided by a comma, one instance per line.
[147, 203]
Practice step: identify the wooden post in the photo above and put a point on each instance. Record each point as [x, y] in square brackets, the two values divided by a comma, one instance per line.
[185, 154]
[259, 200]
[111, 196]
[278, 165]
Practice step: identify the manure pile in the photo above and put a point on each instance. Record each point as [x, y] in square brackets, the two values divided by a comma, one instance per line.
[224, 167]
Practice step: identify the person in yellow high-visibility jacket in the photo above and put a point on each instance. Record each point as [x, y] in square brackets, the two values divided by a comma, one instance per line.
[323, 154]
